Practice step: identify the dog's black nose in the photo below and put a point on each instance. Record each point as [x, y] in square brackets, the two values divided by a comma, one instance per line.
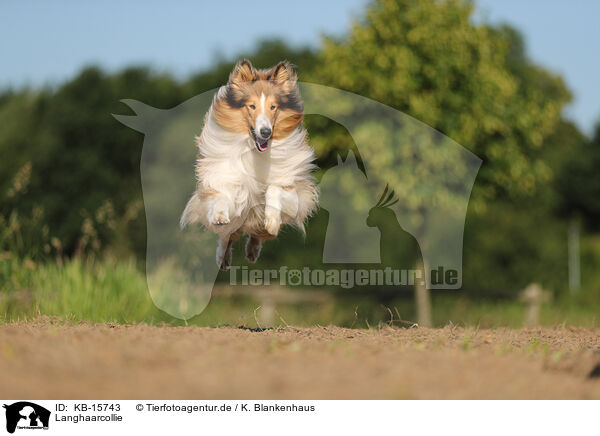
[265, 132]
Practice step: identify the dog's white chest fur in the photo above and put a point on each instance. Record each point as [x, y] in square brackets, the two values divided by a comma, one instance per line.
[230, 164]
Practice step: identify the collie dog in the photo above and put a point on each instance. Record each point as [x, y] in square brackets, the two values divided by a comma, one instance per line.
[254, 163]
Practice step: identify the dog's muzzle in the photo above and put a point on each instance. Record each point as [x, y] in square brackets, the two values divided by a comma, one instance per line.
[259, 141]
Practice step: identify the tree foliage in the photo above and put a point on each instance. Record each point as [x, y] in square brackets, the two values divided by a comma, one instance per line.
[471, 82]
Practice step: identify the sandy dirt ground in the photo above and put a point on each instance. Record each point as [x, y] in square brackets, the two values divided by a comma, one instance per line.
[50, 359]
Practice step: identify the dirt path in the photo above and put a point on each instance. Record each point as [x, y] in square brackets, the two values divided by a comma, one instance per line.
[53, 360]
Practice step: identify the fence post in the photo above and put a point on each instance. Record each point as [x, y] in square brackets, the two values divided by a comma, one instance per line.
[573, 254]
[534, 296]
[422, 299]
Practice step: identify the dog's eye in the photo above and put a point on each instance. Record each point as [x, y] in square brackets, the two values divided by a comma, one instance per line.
[273, 107]
[252, 107]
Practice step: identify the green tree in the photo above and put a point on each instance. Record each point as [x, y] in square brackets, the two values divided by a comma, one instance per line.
[578, 178]
[470, 81]
[474, 83]
[67, 161]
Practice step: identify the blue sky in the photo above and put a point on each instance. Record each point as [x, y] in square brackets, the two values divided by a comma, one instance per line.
[48, 42]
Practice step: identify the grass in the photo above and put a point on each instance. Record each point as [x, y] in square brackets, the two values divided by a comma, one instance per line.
[575, 311]
[97, 291]
[112, 290]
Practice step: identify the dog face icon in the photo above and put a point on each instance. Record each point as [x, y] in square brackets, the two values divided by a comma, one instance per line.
[28, 417]
[26, 414]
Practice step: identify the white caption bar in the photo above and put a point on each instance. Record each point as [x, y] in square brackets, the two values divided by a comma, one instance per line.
[159, 417]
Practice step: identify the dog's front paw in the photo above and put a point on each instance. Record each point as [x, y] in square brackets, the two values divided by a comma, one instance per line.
[272, 221]
[218, 217]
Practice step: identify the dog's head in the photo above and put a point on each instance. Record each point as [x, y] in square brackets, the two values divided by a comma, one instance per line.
[264, 104]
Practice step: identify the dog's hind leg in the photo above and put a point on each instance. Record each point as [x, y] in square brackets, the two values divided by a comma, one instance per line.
[253, 247]
[224, 251]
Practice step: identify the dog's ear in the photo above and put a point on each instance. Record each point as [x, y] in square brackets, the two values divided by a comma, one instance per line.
[242, 72]
[283, 74]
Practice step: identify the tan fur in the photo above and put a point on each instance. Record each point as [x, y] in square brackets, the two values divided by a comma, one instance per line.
[247, 82]
[287, 122]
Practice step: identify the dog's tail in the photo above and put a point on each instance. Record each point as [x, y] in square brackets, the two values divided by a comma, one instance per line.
[191, 213]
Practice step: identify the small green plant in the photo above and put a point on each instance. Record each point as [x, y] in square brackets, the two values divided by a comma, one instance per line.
[465, 344]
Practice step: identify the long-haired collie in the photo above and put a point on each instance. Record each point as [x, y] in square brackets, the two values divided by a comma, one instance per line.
[254, 162]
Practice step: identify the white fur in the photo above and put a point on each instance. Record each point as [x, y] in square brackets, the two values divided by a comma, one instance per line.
[272, 188]
[262, 120]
